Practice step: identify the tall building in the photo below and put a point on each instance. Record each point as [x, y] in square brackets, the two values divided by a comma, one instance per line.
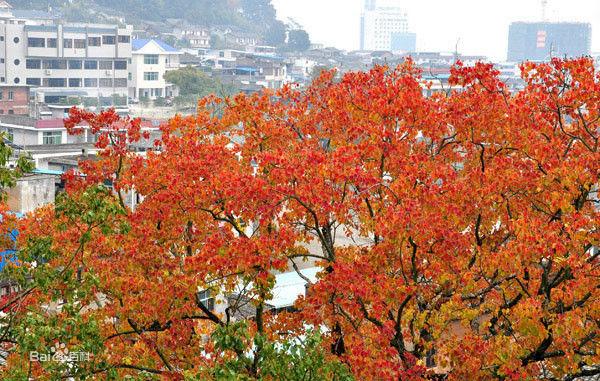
[384, 26]
[59, 60]
[539, 41]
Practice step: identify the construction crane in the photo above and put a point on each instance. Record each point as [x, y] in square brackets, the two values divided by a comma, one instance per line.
[544, 10]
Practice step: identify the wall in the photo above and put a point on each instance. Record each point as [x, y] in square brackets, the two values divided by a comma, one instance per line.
[31, 192]
[19, 105]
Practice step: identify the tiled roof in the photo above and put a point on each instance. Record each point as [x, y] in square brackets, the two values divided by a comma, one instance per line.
[50, 123]
[138, 44]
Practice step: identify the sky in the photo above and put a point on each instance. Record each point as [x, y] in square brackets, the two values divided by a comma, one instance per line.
[478, 26]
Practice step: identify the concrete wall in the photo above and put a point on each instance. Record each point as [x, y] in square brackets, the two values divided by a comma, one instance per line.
[31, 192]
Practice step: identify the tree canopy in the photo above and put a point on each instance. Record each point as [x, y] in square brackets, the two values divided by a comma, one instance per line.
[454, 229]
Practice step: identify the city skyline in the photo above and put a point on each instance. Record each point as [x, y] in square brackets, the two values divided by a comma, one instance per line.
[471, 25]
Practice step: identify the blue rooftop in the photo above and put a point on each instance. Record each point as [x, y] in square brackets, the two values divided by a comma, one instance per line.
[138, 44]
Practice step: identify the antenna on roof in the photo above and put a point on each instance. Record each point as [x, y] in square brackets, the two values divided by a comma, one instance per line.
[544, 10]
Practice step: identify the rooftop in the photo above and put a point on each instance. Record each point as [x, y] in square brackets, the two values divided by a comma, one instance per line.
[138, 44]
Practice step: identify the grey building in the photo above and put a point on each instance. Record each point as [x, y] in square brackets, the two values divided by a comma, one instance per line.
[541, 41]
[64, 60]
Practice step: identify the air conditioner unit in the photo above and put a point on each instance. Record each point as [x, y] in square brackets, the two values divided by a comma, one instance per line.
[48, 72]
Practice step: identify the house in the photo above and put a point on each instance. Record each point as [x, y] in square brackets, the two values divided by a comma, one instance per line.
[14, 99]
[151, 59]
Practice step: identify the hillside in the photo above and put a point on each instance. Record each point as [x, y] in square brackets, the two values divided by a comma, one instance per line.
[254, 15]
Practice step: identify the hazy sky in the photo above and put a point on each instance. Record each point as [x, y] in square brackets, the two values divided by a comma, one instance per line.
[479, 26]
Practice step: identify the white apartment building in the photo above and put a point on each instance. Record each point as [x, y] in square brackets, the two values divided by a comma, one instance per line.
[151, 59]
[64, 60]
[380, 24]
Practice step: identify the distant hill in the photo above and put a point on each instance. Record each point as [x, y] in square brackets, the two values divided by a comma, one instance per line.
[254, 14]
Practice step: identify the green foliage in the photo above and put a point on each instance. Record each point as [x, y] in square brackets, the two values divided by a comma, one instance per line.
[160, 102]
[298, 40]
[9, 176]
[275, 34]
[193, 82]
[67, 286]
[297, 359]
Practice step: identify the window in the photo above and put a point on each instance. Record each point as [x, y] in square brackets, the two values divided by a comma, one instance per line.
[54, 82]
[1, 60]
[129, 76]
[90, 82]
[51, 42]
[75, 64]
[35, 42]
[2, 79]
[91, 65]
[11, 95]
[54, 137]
[74, 82]
[94, 41]
[108, 40]
[16, 40]
[1, 38]
[124, 39]
[17, 62]
[151, 59]
[206, 299]
[33, 64]
[55, 64]
[105, 65]
[120, 82]
[79, 43]
[106, 82]
[120, 65]
[33, 81]
[11, 112]
[68, 43]
[17, 79]
[151, 76]
[1, 95]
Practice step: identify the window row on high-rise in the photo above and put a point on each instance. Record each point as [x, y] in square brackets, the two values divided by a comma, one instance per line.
[33, 63]
[78, 82]
[77, 43]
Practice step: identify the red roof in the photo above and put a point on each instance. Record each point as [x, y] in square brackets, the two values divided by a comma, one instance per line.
[49, 123]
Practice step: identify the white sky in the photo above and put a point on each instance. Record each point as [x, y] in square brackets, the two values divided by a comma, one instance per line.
[481, 25]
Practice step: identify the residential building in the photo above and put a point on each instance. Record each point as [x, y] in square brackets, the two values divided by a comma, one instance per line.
[61, 60]
[384, 26]
[540, 41]
[14, 99]
[193, 36]
[151, 59]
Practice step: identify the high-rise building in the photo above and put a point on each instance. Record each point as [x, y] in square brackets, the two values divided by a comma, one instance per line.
[384, 26]
[59, 60]
[540, 41]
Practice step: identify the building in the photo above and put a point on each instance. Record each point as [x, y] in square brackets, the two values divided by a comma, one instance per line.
[539, 41]
[151, 59]
[60, 60]
[379, 23]
[14, 99]
[193, 36]
[403, 42]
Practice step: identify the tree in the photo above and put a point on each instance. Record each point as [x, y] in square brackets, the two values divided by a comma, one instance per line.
[9, 175]
[276, 34]
[298, 40]
[194, 82]
[455, 228]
